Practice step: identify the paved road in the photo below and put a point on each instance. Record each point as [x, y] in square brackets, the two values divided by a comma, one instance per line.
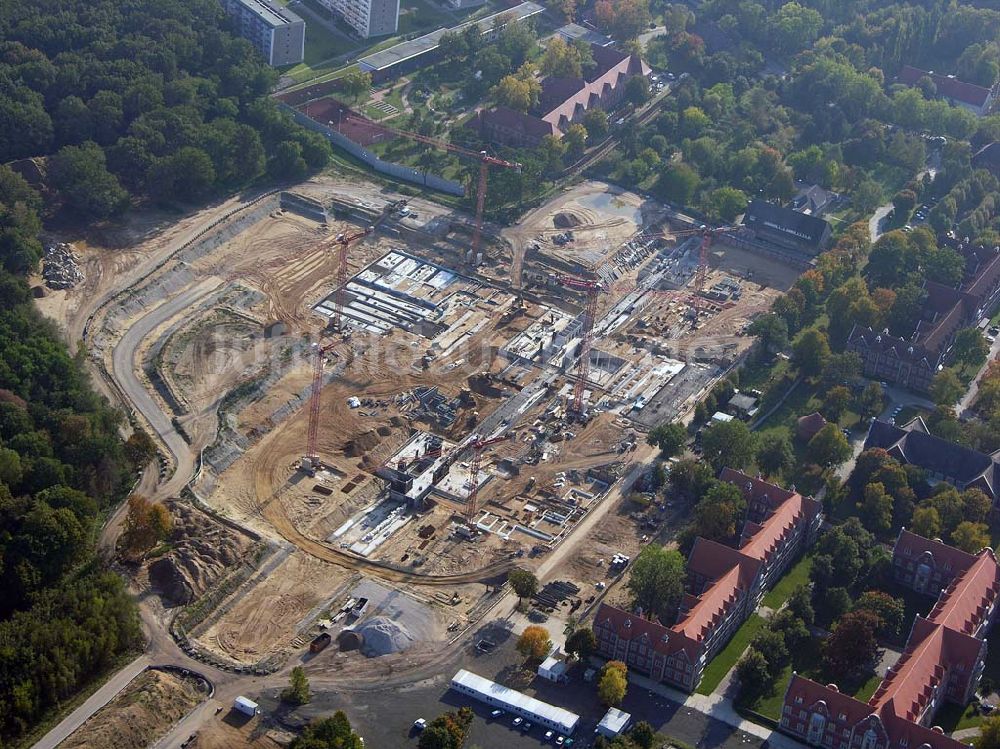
[970, 395]
[125, 366]
[97, 700]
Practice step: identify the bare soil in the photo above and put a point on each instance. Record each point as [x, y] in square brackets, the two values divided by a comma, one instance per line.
[141, 713]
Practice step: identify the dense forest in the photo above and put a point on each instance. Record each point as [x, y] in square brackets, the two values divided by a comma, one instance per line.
[138, 98]
[63, 618]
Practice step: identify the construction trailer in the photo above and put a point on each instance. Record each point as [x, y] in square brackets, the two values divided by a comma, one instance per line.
[246, 706]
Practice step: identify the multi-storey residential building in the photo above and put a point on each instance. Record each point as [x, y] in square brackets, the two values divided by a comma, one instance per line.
[276, 32]
[927, 566]
[912, 362]
[367, 17]
[725, 586]
[942, 460]
[969, 96]
[943, 662]
[564, 101]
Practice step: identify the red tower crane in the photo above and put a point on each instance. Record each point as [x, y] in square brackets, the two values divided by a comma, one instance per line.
[477, 445]
[593, 289]
[311, 462]
[485, 161]
[344, 240]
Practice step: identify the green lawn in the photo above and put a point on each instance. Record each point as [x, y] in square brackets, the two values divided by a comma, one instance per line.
[796, 576]
[716, 671]
[417, 15]
[953, 717]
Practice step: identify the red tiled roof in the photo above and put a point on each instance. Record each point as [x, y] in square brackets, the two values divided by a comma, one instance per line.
[910, 546]
[626, 626]
[949, 87]
[713, 560]
[712, 606]
[809, 425]
[755, 489]
[963, 605]
[781, 523]
[837, 702]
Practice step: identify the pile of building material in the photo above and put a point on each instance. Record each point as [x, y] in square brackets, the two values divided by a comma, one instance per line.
[61, 267]
[382, 636]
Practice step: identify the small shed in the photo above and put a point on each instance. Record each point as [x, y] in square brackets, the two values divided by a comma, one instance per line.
[553, 668]
[809, 425]
[721, 418]
[614, 723]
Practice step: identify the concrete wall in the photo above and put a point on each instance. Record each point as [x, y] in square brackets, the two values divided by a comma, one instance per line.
[398, 171]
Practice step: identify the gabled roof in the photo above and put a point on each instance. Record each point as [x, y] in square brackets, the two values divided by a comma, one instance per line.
[911, 443]
[911, 546]
[763, 542]
[761, 214]
[627, 626]
[809, 425]
[906, 351]
[755, 488]
[714, 560]
[963, 604]
[988, 157]
[947, 86]
[712, 606]
[512, 120]
[837, 703]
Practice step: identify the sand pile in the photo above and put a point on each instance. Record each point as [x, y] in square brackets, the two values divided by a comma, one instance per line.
[382, 636]
[566, 221]
[361, 444]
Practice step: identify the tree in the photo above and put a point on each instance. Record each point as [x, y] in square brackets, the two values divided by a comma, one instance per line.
[356, 84]
[876, 509]
[637, 90]
[523, 582]
[287, 162]
[969, 347]
[642, 735]
[729, 443]
[976, 505]
[970, 537]
[772, 331]
[447, 731]
[297, 692]
[581, 643]
[841, 369]
[837, 400]
[829, 447]
[926, 522]
[186, 174]
[517, 93]
[772, 646]
[795, 27]
[904, 202]
[754, 673]
[852, 647]
[719, 513]
[561, 60]
[595, 120]
[890, 611]
[727, 203]
[946, 388]
[146, 524]
[81, 176]
[534, 643]
[575, 138]
[670, 438]
[811, 352]
[872, 400]
[622, 19]
[656, 581]
[774, 453]
[989, 734]
[329, 733]
[613, 683]
[793, 629]
[679, 182]
[800, 604]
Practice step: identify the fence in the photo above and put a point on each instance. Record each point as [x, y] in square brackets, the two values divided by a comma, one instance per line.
[397, 171]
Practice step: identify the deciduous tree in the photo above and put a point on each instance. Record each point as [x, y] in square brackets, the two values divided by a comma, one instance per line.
[613, 683]
[534, 643]
[656, 580]
[729, 443]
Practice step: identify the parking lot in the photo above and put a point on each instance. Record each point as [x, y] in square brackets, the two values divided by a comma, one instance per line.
[385, 717]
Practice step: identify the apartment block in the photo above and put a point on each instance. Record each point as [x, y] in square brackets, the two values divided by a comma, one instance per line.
[943, 660]
[725, 586]
[276, 32]
[368, 18]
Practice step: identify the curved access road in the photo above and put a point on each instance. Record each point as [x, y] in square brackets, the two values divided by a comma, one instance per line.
[124, 367]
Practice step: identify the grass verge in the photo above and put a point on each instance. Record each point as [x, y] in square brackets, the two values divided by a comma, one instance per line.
[716, 671]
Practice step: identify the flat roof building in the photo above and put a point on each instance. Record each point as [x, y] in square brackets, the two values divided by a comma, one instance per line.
[505, 698]
[367, 17]
[276, 32]
[613, 723]
[407, 56]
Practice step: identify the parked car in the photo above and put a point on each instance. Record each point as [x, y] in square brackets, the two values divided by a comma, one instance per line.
[526, 726]
[548, 735]
[496, 713]
[419, 724]
[518, 721]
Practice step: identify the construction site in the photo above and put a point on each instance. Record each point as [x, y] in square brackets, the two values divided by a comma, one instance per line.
[380, 398]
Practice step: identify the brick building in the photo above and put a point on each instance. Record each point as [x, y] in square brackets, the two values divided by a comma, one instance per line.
[943, 662]
[725, 586]
[912, 362]
[969, 96]
[563, 101]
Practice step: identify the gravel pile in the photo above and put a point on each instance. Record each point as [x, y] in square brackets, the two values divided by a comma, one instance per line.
[382, 636]
[61, 267]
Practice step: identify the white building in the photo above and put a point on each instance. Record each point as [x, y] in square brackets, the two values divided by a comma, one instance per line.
[367, 17]
[553, 668]
[613, 723]
[505, 698]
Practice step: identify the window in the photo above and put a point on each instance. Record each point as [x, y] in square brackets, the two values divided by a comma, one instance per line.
[869, 740]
